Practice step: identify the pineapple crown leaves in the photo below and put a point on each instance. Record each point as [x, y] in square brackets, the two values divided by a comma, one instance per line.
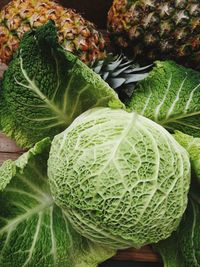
[121, 73]
[119, 70]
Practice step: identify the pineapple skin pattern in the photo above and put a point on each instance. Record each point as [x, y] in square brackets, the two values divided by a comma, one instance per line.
[75, 34]
[154, 29]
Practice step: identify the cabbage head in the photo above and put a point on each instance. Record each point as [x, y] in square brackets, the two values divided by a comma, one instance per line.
[121, 178]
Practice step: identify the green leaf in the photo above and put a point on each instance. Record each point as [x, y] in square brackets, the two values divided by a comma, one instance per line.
[170, 95]
[192, 145]
[182, 249]
[6, 172]
[189, 238]
[168, 249]
[122, 178]
[45, 88]
[33, 230]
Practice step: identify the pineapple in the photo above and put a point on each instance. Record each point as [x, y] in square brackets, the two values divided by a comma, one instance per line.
[121, 73]
[155, 29]
[75, 34]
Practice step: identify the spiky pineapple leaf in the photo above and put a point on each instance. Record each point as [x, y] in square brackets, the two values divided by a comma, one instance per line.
[170, 95]
[120, 72]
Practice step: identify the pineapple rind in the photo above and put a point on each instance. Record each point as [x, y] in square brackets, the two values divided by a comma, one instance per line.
[76, 34]
[151, 30]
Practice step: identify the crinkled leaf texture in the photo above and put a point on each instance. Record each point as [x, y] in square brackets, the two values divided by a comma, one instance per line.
[182, 249]
[170, 95]
[45, 88]
[168, 249]
[189, 237]
[192, 145]
[33, 230]
[122, 179]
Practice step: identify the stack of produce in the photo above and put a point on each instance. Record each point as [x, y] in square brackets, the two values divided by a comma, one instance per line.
[100, 174]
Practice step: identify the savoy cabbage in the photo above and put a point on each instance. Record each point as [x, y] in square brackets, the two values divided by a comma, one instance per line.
[170, 95]
[121, 178]
[192, 145]
[181, 249]
[34, 231]
[45, 88]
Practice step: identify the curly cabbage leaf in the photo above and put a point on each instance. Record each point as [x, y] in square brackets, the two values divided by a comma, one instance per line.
[45, 88]
[170, 95]
[168, 249]
[189, 238]
[33, 230]
[192, 145]
[121, 178]
[182, 249]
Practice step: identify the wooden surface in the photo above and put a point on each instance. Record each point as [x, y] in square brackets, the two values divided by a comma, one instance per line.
[144, 254]
[8, 149]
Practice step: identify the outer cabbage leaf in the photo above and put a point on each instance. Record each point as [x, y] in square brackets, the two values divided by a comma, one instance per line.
[182, 249]
[192, 145]
[170, 95]
[45, 88]
[121, 178]
[6, 173]
[189, 237]
[168, 249]
[33, 230]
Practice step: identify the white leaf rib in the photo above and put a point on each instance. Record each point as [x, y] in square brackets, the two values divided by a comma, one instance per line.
[69, 235]
[19, 205]
[36, 171]
[85, 88]
[116, 145]
[147, 102]
[18, 191]
[48, 126]
[190, 98]
[21, 84]
[120, 174]
[32, 105]
[100, 100]
[65, 97]
[179, 117]
[35, 238]
[188, 125]
[36, 90]
[6, 241]
[152, 193]
[157, 109]
[22, 217]
[42, 119]
[39, 119]
[177, 97]
[57, 74]
[53, 239]
[32, 186]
